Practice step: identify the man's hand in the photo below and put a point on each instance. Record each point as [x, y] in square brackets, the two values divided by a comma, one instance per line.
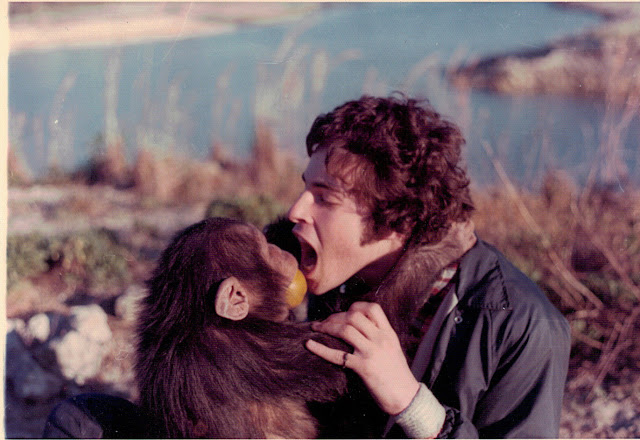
[377, 358]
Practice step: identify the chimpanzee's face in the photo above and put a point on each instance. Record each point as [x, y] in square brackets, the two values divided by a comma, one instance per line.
[270, 295]
[280, 261]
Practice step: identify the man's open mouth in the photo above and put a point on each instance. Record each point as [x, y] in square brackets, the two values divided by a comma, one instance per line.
[308, 256]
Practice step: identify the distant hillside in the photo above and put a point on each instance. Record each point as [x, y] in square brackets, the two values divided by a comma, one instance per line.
[601, 62]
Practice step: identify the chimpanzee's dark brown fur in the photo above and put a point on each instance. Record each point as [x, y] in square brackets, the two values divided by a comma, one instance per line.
[201, 375]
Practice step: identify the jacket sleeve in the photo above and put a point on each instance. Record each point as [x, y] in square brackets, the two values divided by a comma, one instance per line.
[524, 394]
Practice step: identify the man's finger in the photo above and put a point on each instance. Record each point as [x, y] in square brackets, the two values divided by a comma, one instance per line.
[374, 312]
[343, 330]
[332, 355]
[363, 323]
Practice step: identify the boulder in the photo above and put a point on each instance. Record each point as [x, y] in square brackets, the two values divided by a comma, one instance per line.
[91, 322]
[78, 357]
[79, 352]
[39, 327]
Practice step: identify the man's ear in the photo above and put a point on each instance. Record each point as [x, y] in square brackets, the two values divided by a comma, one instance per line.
[232, 300]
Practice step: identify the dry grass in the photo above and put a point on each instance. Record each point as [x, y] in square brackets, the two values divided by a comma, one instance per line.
[17, 170]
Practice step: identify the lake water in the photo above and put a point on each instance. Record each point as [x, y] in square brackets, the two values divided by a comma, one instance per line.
[185, 95]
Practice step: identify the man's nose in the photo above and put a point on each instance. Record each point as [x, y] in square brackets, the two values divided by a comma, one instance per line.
[299, 211]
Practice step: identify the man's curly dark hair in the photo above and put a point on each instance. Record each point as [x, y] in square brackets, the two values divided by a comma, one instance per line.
[400, 160]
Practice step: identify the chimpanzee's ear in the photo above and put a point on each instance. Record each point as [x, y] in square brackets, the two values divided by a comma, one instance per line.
[232, 300]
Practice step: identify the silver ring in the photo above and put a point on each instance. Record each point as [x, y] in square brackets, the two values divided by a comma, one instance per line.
[344, 359]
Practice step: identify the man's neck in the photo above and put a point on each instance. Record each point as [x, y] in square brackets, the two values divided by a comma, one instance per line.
[375, 272]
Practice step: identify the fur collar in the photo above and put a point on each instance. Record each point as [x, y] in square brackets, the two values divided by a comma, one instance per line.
[403, 290]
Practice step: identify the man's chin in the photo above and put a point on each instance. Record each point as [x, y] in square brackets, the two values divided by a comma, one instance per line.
[319, 289]
[315, 288]
[316, 285]
[313, 285]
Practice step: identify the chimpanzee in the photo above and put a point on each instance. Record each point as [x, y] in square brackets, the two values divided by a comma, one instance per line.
[217, 356]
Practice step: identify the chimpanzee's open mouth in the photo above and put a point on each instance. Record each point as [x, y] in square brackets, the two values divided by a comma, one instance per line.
[308, 256]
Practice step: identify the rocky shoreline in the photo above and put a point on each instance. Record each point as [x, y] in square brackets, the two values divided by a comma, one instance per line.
[603, 62]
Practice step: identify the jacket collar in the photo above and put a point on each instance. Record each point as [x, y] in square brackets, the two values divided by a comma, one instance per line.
[408, 283]
[420, 265]
[481, 283]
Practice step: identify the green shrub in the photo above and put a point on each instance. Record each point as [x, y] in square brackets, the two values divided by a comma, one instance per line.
[92, 257]
[26, 256]
[258, 210]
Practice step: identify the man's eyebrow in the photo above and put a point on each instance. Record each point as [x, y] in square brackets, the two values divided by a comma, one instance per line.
[322, 185]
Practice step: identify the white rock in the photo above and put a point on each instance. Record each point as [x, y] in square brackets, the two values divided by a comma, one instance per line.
[78, 357]
[91, 322]
[15, 324]
[39, 327]
[19, 326]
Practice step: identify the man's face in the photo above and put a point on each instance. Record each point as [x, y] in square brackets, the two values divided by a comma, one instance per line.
[330, 227]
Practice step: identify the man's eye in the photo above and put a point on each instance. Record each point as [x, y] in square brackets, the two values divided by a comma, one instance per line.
[323, 199]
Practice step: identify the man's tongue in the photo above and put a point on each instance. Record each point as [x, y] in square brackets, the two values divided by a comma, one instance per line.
[308, 258]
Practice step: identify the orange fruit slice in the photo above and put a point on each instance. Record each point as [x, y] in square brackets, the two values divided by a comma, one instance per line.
[296, 290]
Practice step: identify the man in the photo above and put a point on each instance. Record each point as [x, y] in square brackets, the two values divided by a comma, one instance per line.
[451, 340]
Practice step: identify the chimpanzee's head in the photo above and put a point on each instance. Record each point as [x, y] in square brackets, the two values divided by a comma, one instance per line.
[222, 269]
